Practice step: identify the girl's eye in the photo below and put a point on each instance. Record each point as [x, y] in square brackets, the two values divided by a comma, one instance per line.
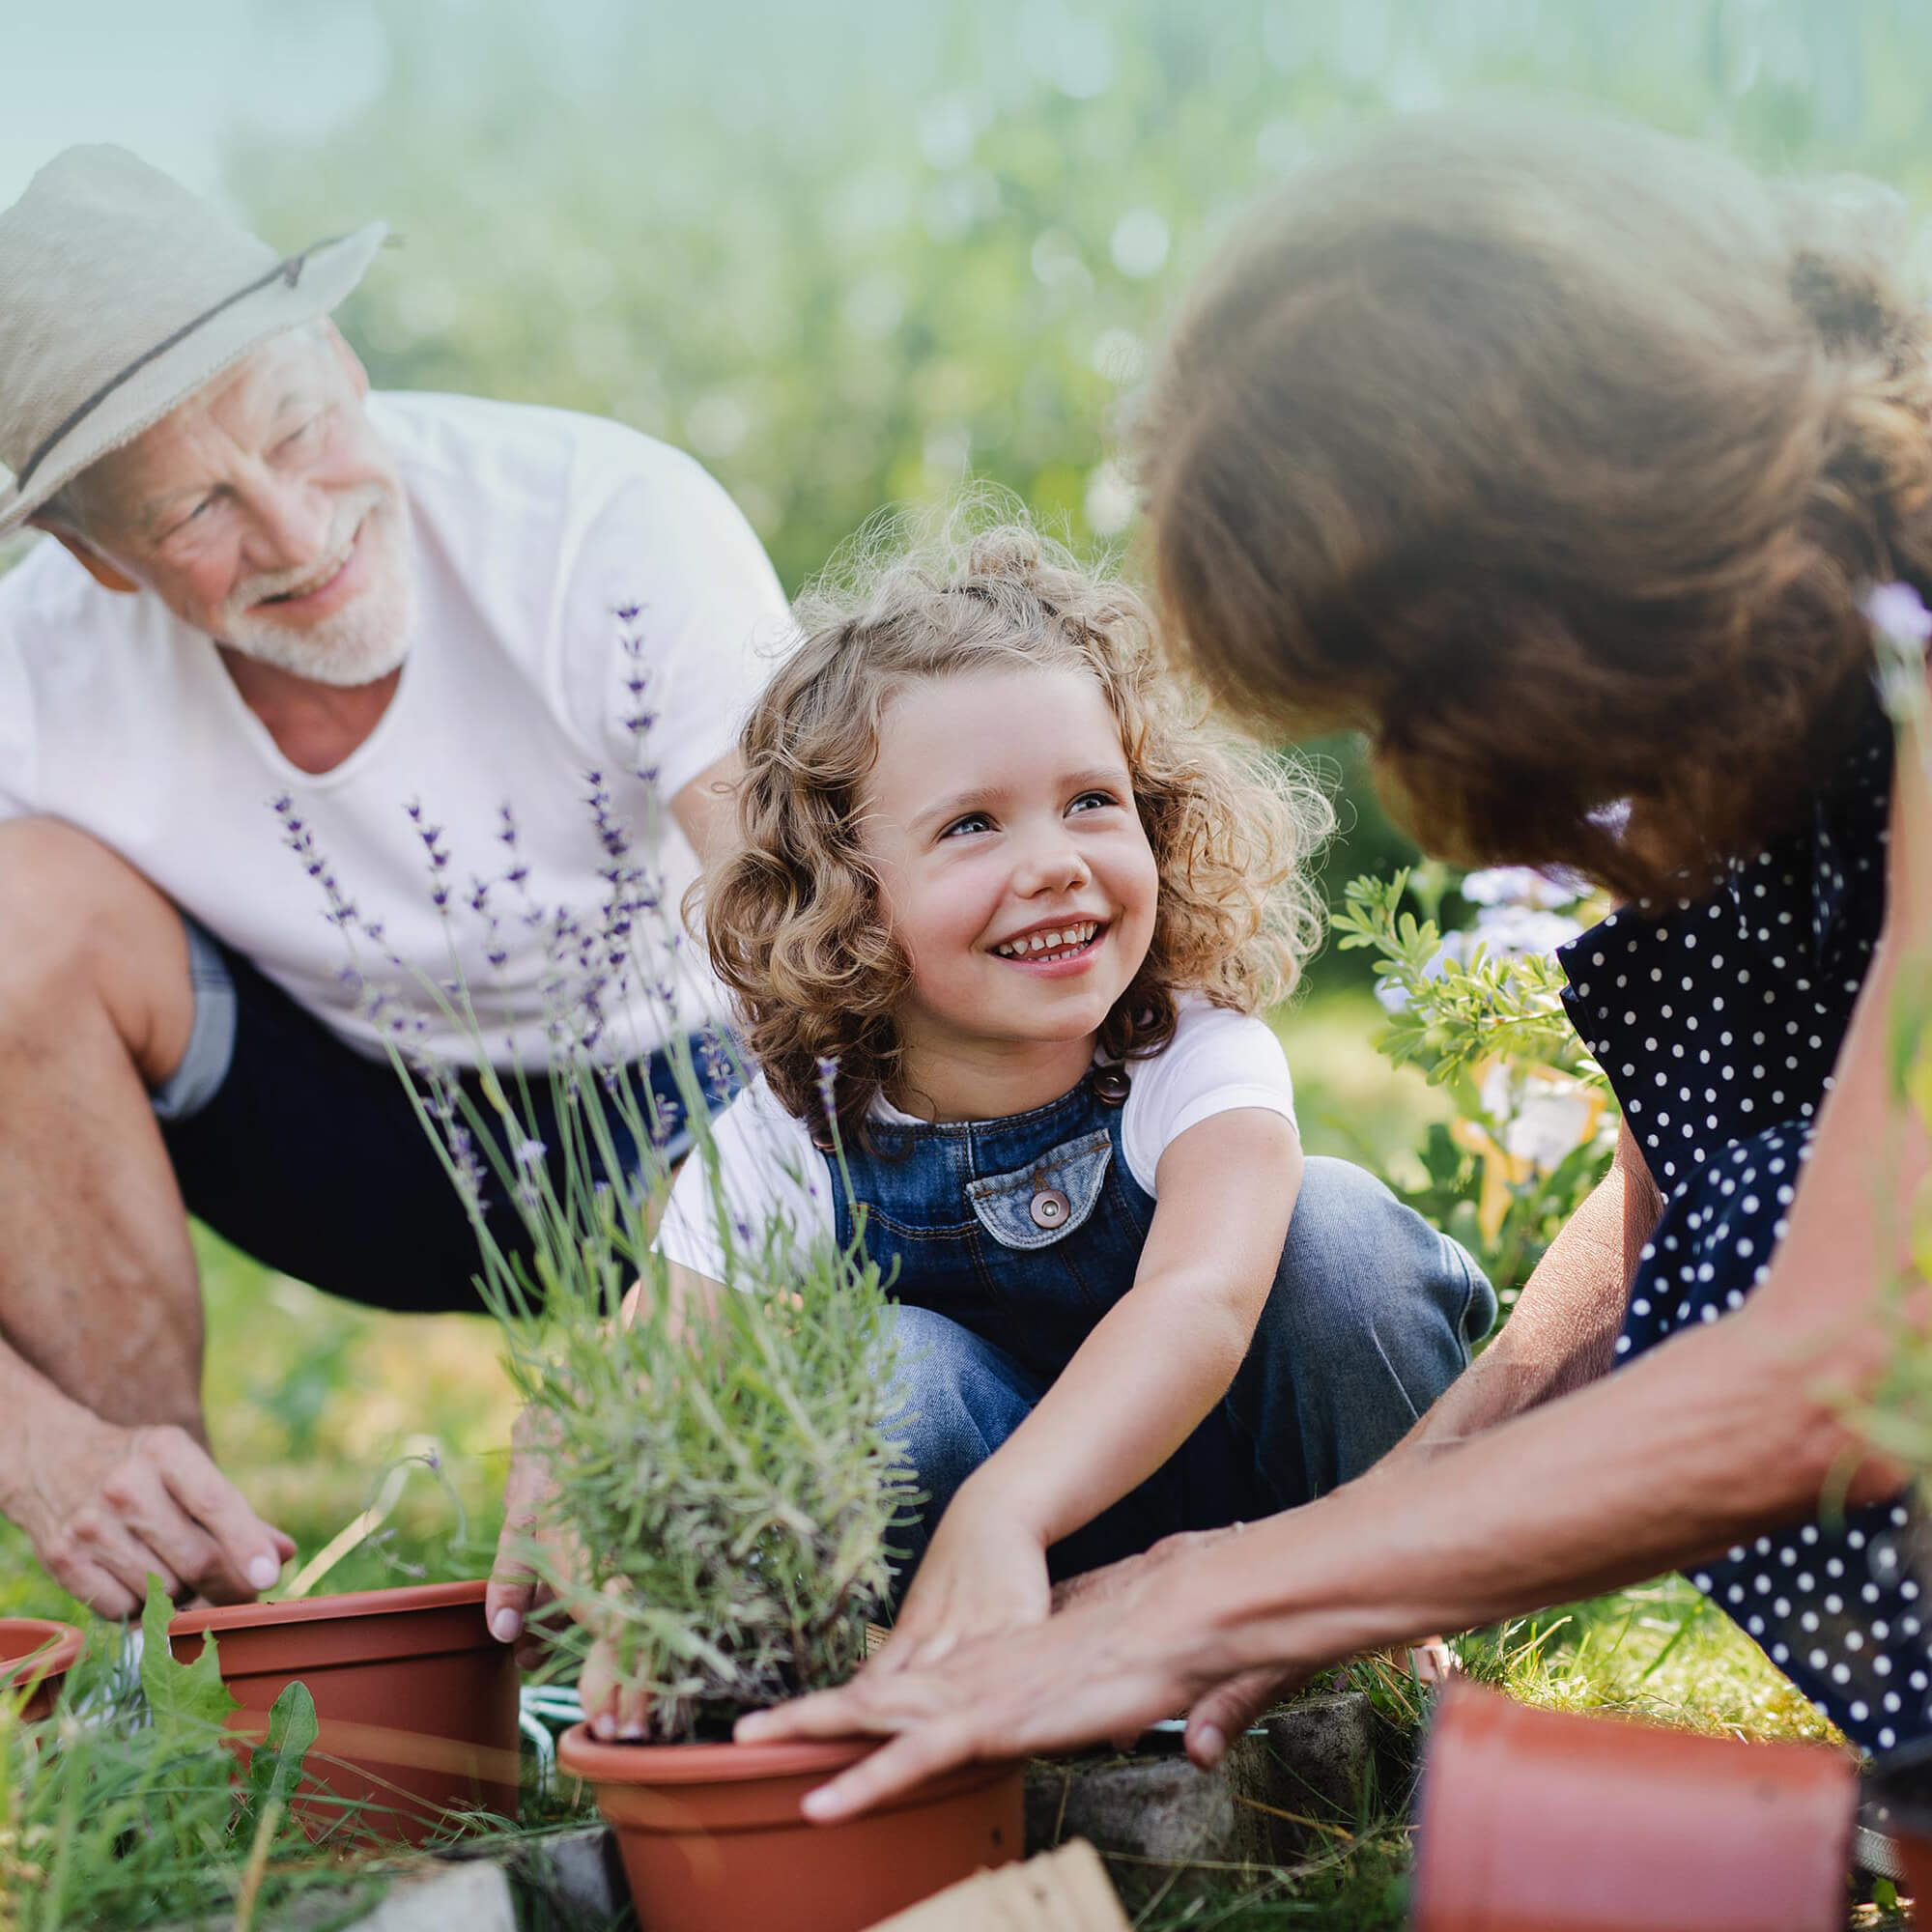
[1090, 801]
[295, 438]
[974, 821]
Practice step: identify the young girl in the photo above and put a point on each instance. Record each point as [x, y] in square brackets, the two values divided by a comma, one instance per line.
[1000, 933]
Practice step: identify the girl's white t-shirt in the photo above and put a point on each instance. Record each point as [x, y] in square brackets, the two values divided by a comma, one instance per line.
[770, 1175]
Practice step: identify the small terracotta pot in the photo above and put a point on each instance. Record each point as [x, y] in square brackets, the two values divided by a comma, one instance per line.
[417, 1701]
[1536, 1821]
[713, 1839]
[38, 1652]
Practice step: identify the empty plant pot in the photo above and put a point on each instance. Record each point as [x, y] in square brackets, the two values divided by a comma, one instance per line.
[713, 1840]
[416, 1700]
[36, 1654]
[1536, 1821]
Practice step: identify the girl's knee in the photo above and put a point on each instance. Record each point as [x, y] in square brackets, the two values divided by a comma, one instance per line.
[954, 1397]
[1360, 1267]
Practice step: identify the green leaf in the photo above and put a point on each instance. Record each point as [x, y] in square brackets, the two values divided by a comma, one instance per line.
[276, 1768]
[178, 1693]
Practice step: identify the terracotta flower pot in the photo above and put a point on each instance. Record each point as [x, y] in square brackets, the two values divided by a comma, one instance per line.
[38, 1652]
[1536, 1821]
[417, 1701]
[713, 1839]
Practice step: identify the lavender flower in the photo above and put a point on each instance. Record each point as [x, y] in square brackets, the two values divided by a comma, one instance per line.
[1901, 628]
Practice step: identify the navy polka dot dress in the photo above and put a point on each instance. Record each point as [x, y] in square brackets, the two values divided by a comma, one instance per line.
[1717, 1023]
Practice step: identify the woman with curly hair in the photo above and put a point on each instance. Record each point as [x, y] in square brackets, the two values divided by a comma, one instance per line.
[1000, 931]
[1576, 467]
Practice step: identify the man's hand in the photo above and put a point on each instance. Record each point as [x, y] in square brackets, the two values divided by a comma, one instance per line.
[107, 1506]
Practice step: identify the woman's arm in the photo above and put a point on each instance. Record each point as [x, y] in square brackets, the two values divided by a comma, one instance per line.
[1153, 1365]
[1561, 1334]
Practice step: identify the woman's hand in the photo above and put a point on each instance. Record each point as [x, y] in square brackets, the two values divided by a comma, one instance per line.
[611, 1708]
[1124, 1657]
[984, 1572]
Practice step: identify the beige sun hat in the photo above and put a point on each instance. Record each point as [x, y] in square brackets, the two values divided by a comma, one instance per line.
[121, 295]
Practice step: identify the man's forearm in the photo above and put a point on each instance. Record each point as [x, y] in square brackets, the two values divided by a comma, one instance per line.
[39, 1417]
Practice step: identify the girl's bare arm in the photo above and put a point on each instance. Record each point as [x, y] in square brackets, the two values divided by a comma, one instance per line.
[1160, 1359]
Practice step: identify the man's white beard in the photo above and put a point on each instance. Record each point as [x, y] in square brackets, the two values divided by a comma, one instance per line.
[369, 637]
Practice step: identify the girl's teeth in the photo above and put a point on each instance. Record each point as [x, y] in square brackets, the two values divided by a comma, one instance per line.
[1073, 937]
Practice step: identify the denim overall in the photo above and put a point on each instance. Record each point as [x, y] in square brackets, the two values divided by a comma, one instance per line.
[1004, 1242]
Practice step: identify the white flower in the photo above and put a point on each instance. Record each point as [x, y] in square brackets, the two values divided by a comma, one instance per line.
[1541, 1117]
[1522, 886]
[1519, 931]
[1900, 613]
[1901, 627]
[1553, 1121]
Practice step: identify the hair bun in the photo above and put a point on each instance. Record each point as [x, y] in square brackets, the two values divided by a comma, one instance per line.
[1011, 550]
[1847, 236]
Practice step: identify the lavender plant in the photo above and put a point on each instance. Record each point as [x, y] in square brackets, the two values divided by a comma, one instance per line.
[1478, 1009]
[722, 1482]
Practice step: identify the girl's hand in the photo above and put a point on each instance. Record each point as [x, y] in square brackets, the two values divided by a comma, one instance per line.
[1102, 1671]
[610, 1710]
[984, 1572]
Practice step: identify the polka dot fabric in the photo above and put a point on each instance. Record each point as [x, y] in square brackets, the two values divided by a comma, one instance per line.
[1717, 1022]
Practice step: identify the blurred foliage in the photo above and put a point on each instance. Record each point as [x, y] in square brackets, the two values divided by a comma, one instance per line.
[849, 254]
[1477, 1010]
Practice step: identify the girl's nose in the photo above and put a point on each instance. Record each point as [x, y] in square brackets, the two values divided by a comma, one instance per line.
[1055, 865]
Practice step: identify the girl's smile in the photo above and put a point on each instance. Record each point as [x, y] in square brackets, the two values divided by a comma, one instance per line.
[1000, 819]
[1061, 945]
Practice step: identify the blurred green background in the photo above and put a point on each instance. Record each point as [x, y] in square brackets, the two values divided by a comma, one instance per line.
[846, 253]
[854, 252]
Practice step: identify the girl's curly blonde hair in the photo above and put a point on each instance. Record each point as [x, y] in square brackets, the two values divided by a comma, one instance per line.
[795, 920]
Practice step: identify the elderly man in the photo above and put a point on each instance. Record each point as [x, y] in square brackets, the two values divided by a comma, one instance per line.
[307, 677]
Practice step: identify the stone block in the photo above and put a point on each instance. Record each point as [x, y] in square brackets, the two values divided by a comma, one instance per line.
[474, 1897]
[1321, 1753]
[576, 1875]
[1167, 1829]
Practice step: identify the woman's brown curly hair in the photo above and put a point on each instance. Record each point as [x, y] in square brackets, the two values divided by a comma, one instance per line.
[795, 921]
[1555, 455]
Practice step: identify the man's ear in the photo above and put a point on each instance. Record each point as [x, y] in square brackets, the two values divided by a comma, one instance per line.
[90, 561]
[352, 363]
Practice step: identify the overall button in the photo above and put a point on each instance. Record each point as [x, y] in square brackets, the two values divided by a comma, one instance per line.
[1111, 1083]
[1049, 1207]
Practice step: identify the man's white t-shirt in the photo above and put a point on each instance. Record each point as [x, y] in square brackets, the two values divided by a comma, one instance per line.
[533, 530]
[769, 1174]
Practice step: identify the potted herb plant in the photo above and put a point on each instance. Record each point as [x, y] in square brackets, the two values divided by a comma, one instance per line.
[725, 1482]
[721, 1489]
